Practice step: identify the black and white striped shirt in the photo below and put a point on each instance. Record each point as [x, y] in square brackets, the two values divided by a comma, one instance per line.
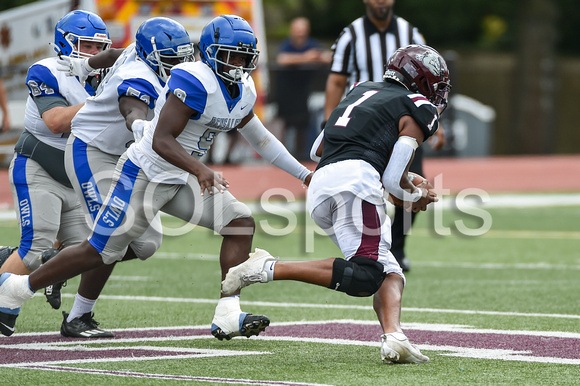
[361, 51]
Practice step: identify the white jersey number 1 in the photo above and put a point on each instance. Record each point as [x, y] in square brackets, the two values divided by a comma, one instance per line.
[344, 118]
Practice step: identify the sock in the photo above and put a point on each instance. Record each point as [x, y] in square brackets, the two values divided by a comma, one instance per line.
[227, 305]
[269, 268]
[80, 307]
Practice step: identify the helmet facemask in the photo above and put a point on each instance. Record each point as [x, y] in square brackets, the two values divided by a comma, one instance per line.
[440, 95]
[163, 60]
[218, 56]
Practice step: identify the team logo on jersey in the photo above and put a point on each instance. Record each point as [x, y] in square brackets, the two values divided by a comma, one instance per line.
[224, 124]
[432, 62]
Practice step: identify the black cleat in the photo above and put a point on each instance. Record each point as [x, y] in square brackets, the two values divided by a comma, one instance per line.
[250, 325]
[8, 321]
[7, 315]
[5, 253]
[83, 327]
[52, 292]
[53, 295]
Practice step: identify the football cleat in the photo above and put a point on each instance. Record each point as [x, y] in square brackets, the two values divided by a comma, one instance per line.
[53, 295]
[396, 348]
[83, 327]
[249, 272]
[242, 324]
[14, 291]
[8, 320]
[5, 253]
[52, 292]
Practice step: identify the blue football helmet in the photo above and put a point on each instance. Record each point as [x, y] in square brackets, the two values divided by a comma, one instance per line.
[162, 43]
[78, 26]
[222, 36]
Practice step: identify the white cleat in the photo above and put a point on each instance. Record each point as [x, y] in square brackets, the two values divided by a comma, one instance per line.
[396, 348]
[249, 272]
[238, 324]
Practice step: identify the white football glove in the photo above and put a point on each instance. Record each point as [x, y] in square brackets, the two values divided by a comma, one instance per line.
[75, 67]
[138, 126]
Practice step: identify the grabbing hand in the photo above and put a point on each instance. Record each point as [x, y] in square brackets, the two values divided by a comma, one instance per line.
[75, 67]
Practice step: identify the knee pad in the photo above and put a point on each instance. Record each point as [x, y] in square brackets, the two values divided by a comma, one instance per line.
[359, 276]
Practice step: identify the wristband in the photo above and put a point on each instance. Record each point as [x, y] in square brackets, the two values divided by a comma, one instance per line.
[87, 66]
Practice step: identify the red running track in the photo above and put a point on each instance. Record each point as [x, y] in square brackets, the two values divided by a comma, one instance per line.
[514, 174]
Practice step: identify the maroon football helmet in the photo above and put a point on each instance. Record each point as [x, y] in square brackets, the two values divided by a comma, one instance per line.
[421, 69]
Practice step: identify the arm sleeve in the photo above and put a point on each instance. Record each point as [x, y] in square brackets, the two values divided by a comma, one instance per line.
[400, 157]
[271, 149]
[45, 103]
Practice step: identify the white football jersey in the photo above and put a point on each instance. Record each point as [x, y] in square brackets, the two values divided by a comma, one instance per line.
[44, 79]
[99, 122]
[199, 88]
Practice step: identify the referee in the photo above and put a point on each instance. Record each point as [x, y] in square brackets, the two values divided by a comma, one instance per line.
[361, 53]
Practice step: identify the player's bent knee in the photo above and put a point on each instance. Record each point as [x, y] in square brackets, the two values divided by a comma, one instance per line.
[236, 216]
[146, 249]
[360, 276]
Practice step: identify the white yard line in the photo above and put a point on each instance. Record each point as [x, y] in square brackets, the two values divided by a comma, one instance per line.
[174, 352]
[324, 306]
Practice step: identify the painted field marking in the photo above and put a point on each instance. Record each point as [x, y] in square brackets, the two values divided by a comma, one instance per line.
[131, 374]
[122, 350]
[325, 306]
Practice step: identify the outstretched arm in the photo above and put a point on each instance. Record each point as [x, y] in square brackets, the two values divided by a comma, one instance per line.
[105, 58]
[271, 149]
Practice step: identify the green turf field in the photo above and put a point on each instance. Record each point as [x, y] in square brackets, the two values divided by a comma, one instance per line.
[519, 278]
